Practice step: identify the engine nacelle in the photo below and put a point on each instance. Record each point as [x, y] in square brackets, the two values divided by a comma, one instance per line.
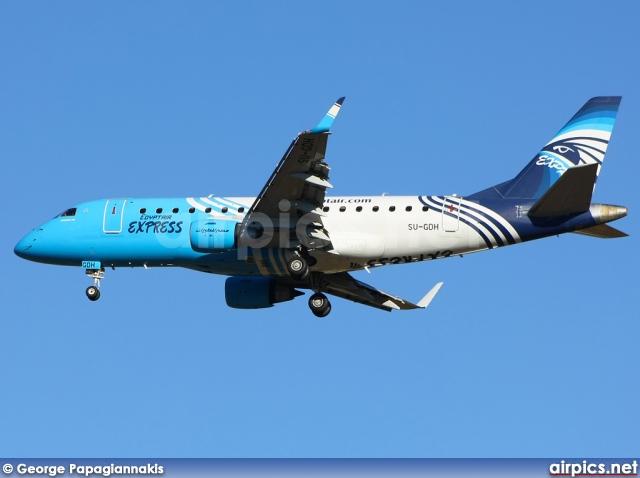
[256, 292]
[213, 235]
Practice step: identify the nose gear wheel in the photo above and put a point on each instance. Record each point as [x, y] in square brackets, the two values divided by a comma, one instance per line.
[93, 291]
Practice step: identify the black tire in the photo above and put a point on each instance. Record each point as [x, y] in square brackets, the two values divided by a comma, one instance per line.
[319, 305]
[298, 268]
[326, 312]
[93, 293]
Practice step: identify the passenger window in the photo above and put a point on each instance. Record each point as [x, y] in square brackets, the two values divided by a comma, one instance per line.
[175, 210]
[359, 208]
[392, 208]
[159, 210]
[343, 209]
[375, 208]
[225, 209]
[192, 210]
[325, 209]
[408, 208]
[143, 210]
[207, 210]
[241, 209]
[425, 208]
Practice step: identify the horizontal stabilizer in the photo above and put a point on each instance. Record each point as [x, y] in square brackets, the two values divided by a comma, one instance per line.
[603, 231]
[570, 194]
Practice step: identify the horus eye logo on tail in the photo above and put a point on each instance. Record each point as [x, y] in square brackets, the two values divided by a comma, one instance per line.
[575, 150]
[582, 141]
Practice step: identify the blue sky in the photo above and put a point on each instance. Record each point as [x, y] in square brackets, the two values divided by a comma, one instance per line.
[527, 351]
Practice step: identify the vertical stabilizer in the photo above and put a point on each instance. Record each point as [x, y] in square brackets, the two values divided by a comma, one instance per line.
[582, 141]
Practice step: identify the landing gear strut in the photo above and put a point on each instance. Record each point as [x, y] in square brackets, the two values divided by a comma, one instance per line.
[93, 291]
[319, 305]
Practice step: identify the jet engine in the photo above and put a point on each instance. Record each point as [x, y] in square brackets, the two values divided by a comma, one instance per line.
[213, 235]
[256, 292]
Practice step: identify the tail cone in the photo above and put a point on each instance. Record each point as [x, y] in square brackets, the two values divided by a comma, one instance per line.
[603, 213]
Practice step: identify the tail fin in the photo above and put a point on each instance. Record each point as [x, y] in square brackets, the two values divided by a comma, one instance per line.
[582, 141]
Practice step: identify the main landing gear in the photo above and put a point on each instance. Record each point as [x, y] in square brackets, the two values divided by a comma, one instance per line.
[298, 265]
[318, 302]
[93, 291]
[319, 305]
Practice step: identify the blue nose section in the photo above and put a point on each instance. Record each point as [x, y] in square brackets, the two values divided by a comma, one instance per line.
[28, 245]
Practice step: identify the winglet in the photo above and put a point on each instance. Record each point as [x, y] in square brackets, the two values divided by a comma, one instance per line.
[325, 124]
[426, 300]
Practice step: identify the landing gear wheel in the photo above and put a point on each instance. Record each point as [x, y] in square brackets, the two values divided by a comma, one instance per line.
[319, 305]
[298, 268]
[93, 293]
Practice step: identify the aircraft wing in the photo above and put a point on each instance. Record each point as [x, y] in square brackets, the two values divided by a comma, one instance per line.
[345, 286]
[296, 188]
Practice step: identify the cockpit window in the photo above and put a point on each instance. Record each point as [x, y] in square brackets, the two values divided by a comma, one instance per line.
[69, 212]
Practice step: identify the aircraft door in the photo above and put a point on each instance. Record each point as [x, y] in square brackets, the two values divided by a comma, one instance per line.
[451, 214]
[113, 216]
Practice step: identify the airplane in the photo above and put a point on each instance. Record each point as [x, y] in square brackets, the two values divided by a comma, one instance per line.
[293, 236]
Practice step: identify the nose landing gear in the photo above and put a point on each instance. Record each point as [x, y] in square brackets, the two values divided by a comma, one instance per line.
[93, 291]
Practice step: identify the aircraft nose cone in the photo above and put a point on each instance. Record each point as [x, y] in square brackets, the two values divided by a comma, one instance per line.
[25, 247]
